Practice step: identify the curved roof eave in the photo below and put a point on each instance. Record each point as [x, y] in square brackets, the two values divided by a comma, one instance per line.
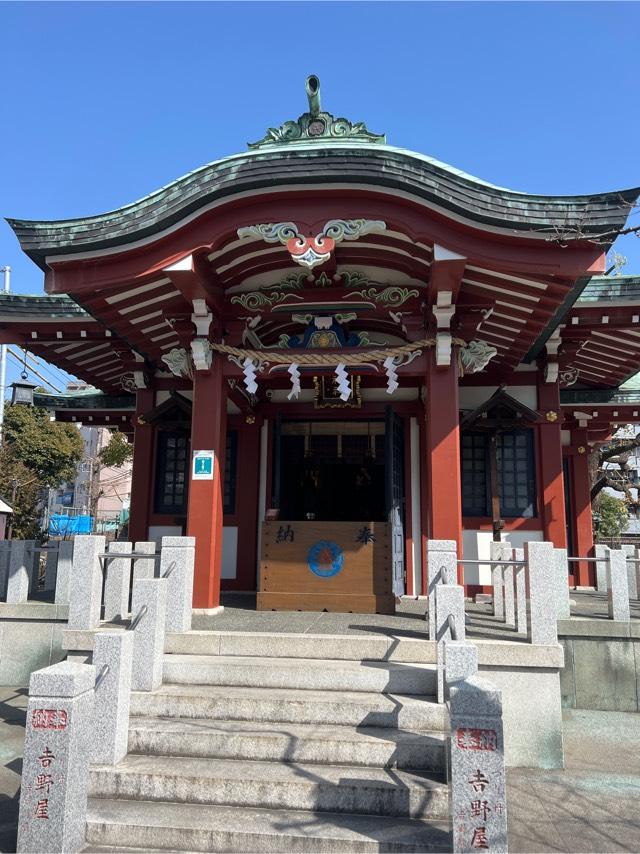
[376, 165]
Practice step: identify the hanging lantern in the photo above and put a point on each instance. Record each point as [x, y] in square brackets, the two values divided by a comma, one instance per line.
[22, 393]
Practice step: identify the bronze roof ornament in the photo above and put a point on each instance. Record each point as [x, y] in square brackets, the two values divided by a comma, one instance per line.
[317, 126]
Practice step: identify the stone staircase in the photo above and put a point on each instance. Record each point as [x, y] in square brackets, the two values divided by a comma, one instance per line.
[261, 749]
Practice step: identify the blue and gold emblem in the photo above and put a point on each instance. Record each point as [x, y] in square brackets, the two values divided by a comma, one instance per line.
[325, 558]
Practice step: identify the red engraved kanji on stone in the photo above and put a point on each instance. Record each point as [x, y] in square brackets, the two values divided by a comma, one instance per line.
[44, 781]
[48, 719]
[42, 809]
[480, 808]
[479, 839]
[476, 739]
[46, 758]
[479, 781]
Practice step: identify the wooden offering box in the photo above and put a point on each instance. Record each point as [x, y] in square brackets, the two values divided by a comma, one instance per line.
[326, 566]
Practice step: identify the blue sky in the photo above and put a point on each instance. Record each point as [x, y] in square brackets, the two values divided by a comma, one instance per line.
[104, 103]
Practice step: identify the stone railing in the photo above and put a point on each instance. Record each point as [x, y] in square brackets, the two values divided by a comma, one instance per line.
[78, 714]
[20, 565]
[476, 744]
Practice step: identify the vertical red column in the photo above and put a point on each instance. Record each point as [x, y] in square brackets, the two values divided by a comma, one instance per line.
[443, 448]
[142, 469]
[205, 513]
[581, 521]
[551, 473]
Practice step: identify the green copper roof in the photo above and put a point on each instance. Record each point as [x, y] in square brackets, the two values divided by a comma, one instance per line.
[317, 150]
[608, 396]
[611, 289]
[50, 306]
[89, 398]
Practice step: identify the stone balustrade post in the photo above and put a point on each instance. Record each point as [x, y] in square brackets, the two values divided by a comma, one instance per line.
[19, 578]
[631, 553]
[63, 571]
[441, 554]
[33, 558]
[85, 598]
[478, 791]
[601, 568]
[5, 555]
[113, 693]
[144, 567]
[449, 600]
[149, 634]
[51, 568]
[508, 577]
[117, 581]
[521, 591]
[55, 775]
[541, 607]
[618, 586]
[177, 560]
[561, 584]
[496, 552]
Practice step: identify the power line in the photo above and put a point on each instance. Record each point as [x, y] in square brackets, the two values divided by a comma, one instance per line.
[23, 362]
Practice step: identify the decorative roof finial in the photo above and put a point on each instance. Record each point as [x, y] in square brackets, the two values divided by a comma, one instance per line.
[317, 126]
[312, 85]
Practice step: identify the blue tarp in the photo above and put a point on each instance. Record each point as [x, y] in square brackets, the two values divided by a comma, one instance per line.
[61, 526]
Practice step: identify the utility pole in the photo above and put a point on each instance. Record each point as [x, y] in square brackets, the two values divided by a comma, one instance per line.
[3, 352]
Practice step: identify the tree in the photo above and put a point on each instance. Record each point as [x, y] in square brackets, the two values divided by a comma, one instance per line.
[117, 452]
[36, 453]
[610, 516]
[613, 467]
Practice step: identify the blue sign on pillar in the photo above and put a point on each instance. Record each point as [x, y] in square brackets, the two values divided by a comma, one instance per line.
[202, 466]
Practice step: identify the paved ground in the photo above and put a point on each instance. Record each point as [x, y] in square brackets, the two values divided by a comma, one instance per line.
[591, 806]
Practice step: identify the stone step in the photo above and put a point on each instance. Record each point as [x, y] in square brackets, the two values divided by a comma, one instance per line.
[272, 785]
[145, 825]
[290, 645]
[290, 706]
[300, 673]
[309, 744]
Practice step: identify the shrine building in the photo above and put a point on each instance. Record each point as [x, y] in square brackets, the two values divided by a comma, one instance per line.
[328, 349]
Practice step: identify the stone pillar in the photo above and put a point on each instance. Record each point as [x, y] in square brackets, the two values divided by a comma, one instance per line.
[19, 575]
[142, 469]
[551, 468]
[85, 597]
[144, 567]
[205, 511]
[55, 777]
[5, 555]
[449, 601]
[478, 791]
[508, 575]
[33, 563]
[561, 581]
[51, 568]
[117, 581]
[441, 554]
[631, 554]
[601, 568]
[63, 573]
[148, 644]
[497, 579]
[541, 616]
[443, 449]
[176, 565]
[617, 586]
[115, 650]
[521, 591]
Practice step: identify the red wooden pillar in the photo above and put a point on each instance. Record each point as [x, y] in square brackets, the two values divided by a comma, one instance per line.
[205, 512]
[142, 469]
[581, 518]
[443, 449]
[551, 473]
